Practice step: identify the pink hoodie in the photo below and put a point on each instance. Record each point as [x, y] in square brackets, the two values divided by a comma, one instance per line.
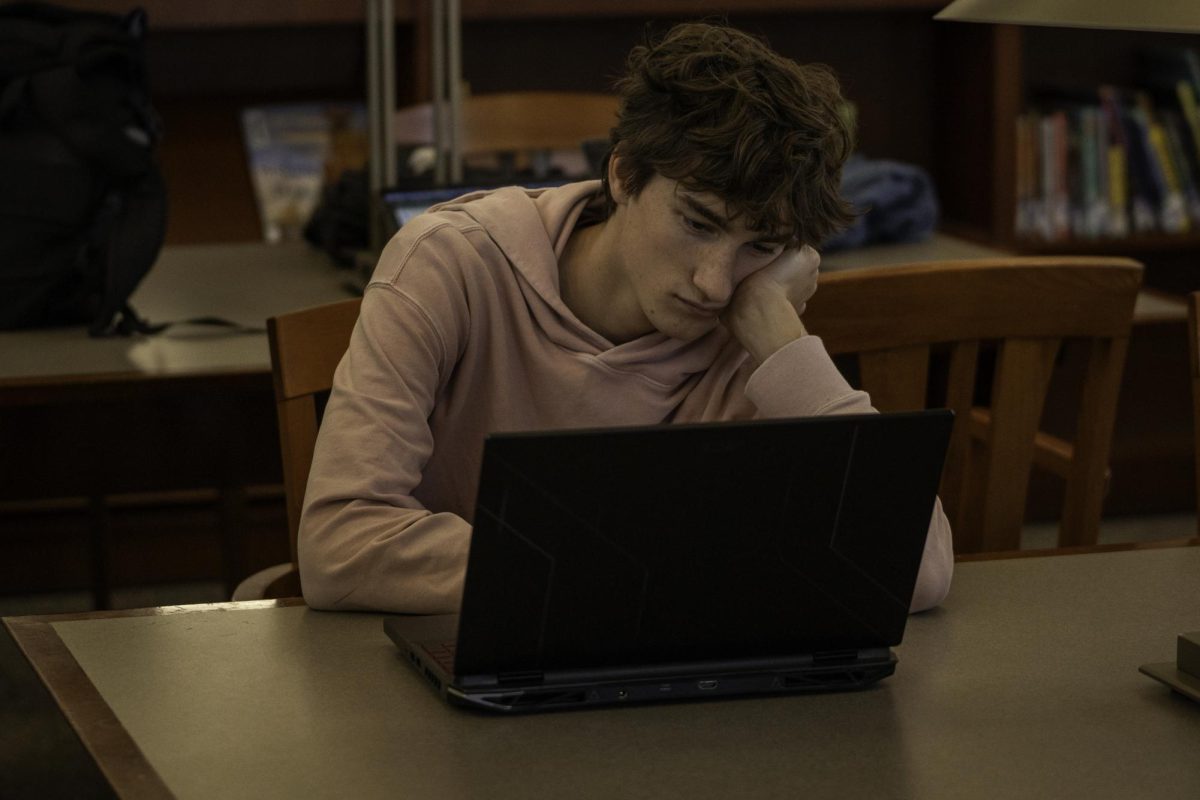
[462, 332]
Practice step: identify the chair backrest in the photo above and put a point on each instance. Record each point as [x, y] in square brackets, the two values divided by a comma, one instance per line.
[306, 347]
[517, 121]
[900, 320]
[1194, 346]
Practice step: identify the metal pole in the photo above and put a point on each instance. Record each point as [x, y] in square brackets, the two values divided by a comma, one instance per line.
[438, 99]
[387, 61]
[375, 160]
[454, 64]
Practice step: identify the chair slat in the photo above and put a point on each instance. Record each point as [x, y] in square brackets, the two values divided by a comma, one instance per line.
[960, 396]
[896, 379]
[297, 441]
[310, 343]
[1093, 440]
[1023, 370]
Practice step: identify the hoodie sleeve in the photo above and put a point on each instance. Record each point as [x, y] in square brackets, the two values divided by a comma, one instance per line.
[365, 542]
[801, 379]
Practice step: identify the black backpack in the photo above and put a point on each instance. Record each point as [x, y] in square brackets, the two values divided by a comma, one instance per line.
[82, 201]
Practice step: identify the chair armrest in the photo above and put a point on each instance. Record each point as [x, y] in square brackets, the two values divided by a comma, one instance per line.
[1050, 453]
[281, 580]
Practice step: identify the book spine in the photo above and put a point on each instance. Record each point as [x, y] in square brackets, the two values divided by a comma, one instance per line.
[1120, 199]
[1060, 209]
[1103, 212]
[1191, 113]
[1146, 187]
[1089, 201]
[1175, 134]
[1172, 211]
[1025, 188]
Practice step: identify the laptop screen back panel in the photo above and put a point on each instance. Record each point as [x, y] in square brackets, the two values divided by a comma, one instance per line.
[689, 543]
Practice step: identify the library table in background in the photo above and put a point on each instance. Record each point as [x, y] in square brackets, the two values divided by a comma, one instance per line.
[188, 413]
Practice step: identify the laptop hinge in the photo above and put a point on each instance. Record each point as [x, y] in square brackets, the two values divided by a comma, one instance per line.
[526, 678]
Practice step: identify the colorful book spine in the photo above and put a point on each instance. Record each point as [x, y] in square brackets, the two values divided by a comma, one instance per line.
[1088, 216]
[1176, 135]
[1109, 162]
[1190, 112]
[1172, 211]
[1120, 195]
[1102, 214]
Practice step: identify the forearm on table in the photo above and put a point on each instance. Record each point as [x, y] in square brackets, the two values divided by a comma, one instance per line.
[372, 556]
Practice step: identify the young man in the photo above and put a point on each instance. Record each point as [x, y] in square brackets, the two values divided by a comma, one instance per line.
[672, 291]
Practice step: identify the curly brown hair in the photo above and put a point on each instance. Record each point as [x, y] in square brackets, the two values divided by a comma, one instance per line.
[717, 110]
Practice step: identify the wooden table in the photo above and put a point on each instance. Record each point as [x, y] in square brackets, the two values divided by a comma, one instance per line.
[1024, 684]
[244, 283]
[87, 423]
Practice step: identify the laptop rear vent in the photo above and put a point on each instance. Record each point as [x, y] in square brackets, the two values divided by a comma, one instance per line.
[831, 679]
[547, 698]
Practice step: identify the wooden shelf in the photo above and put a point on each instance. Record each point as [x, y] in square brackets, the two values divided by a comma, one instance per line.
[1133, 245]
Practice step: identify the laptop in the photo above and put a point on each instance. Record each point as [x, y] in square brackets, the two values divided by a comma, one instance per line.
[401, 204]
[398, 205]
[675, 562]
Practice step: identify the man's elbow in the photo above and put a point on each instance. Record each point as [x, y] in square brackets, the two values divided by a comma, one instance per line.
[937, 564]
[324, 581]
[321, 588]
[931, 592]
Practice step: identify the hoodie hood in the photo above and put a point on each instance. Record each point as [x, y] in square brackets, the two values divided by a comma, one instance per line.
[511, 216]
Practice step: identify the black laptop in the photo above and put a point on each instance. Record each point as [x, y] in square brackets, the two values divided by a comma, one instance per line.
[677, 562]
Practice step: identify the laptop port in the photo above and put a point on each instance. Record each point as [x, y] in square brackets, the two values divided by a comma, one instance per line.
[706, 686]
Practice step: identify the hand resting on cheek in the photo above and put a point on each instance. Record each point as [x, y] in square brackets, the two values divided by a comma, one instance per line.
[764, 314]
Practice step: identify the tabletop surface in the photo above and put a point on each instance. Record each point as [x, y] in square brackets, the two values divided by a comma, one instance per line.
[1024, 684]
[242, 283]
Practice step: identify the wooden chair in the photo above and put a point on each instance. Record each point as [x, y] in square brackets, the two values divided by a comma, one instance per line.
[1194, 345]
[1018, 310]
[306, 347]
[517, 122]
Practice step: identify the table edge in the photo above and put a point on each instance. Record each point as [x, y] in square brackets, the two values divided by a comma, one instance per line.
[1078, 550]
[119, 759]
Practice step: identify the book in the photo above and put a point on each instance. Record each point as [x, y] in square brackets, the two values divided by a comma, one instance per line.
[1164, 174]
[1144, 191]
[1092, 199]
[1116, 162]
[1028, 210]
[1184, 163]
[1190, 110]
[1055, 220]
[292, 151]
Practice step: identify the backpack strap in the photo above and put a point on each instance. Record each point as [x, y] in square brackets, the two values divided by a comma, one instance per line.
[136, 225]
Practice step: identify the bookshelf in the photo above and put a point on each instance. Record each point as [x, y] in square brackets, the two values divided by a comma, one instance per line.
[1008, 69]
